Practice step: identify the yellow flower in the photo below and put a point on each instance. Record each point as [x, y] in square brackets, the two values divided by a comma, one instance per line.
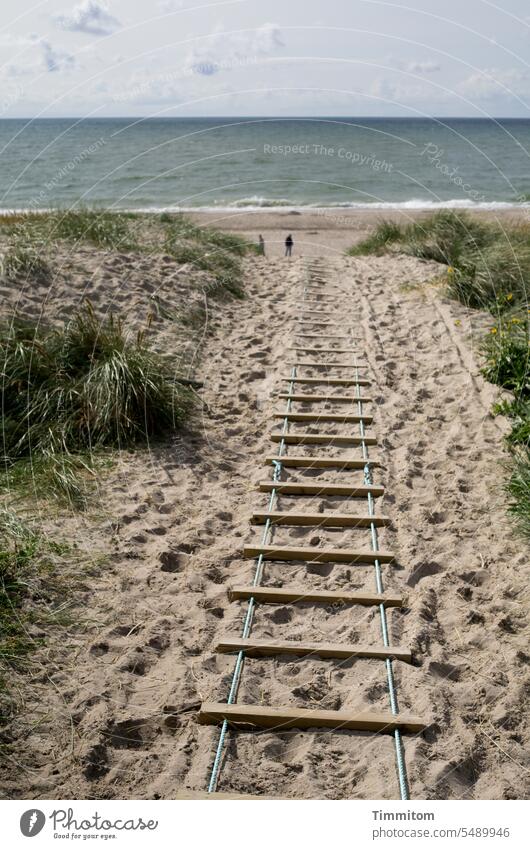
[493, 330]
[509, 297]
[458, 322]
[450, 270]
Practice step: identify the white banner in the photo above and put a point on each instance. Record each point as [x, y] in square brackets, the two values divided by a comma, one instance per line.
[268, 824]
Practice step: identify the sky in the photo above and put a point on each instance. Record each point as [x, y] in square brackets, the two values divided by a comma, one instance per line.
[69, 58]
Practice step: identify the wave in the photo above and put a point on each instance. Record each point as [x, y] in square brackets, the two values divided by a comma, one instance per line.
[264, 204]
[259, 204]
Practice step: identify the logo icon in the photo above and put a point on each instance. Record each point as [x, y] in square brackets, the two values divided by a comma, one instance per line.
[32, 822]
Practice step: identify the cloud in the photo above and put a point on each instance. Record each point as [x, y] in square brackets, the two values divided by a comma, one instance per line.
[398, 92]
[170, 5]
[7, 40]
[54, 59]
[227, 50]
[414, 66]
[90, 16]
[492, 83]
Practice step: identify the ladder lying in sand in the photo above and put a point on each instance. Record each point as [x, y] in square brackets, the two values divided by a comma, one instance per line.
[280, 718]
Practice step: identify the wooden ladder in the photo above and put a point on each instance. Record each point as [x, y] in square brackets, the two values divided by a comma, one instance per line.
[280, 718]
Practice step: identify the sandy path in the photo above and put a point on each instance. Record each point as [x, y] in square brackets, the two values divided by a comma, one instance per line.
[128, 704]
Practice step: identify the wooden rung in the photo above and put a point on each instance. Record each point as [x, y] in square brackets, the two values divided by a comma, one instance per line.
[321, 439]
[328, 365]
[318, 520]
[275, 595]
[324, 417]
[262, 648]
[299, 488]
[320, 335]
[339, 399]
[312, 321]
[330, 381]
[317, 555]
[299, 461]
[282, 718]
[321, 350]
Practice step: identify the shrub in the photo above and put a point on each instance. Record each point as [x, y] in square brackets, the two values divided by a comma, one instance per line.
[518, 488]
[507, 356]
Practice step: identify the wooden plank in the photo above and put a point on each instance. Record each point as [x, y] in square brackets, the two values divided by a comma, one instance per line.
[275, 595]
[309, 350]
[320, 323]
[262, 648]
[317, 555]
[282, 718]
[298, 461]
[328, 365]
[300, 488]
[320, 335]
[329, 381]
[339, 399]
[317, 520]
[324, 417]
[321, 439]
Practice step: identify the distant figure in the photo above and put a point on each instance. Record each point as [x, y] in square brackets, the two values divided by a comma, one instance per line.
[289, 245]
[261, 245]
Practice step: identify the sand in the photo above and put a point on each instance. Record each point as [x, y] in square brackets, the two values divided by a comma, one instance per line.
[112, 710]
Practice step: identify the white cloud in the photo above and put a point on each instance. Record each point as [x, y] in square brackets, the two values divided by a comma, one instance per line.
[397, 92]
[52, 58]
[7, 40]
[90, 16]
[492, 83]
[226, 50]
[170, 5]
[55, 59]
[414, 66]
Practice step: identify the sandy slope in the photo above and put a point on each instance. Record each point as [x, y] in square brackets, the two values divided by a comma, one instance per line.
[118, 719]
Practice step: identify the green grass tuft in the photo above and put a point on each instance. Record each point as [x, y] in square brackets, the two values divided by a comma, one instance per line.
[67, 392]
[112, 230]
[518, 488]
[386, 233]
[212, 251]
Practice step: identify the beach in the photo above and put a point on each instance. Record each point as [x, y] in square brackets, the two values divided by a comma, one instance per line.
[111, 704]
[327, 231]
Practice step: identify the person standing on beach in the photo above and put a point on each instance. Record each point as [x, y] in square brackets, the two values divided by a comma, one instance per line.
[289, 245]
[261, 245]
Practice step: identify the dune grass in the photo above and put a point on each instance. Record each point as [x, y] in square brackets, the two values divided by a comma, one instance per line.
[488, 267]
[212, 251]
[486, 262]
[33, 581]
[67, 392]
[31, 239]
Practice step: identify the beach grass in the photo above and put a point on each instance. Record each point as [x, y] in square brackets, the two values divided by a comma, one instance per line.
[209, 250]
[488, 267]
[33, 581]
[68, 392]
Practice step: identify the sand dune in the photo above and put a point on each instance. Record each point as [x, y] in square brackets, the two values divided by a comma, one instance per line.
[115, 714]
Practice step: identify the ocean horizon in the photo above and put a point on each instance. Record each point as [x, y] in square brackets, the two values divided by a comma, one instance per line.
[223, 164]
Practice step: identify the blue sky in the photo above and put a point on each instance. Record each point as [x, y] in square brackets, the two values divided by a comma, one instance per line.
[279, 57]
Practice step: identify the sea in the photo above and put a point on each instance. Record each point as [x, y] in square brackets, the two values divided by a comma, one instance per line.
[178, 164]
